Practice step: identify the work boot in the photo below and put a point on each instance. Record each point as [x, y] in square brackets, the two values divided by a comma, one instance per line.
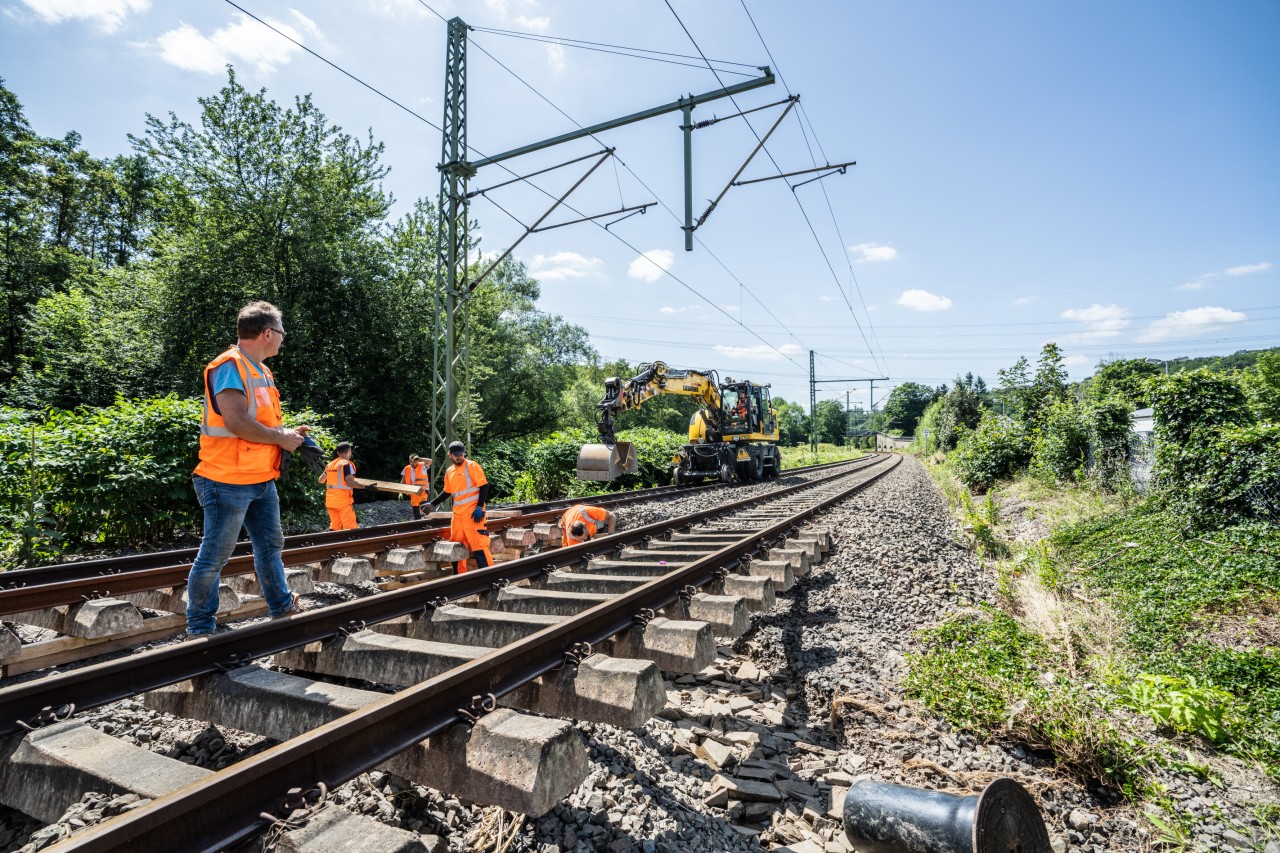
[295, 607]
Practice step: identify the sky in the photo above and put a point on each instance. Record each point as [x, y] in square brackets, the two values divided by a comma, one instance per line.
[1098, 174]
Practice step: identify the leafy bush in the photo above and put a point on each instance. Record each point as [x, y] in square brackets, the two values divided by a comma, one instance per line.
[118, 474]
[961, 410]
[1184, 705]
[926, 437]
[552, 464]
[1110, 434]
[503, 461]
[996, 450]
[1062, 443]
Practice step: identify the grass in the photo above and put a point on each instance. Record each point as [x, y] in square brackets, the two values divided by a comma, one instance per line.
[1111, 609]
[798, 457]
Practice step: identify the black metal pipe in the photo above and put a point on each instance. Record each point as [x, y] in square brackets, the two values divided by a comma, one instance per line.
[880, 817]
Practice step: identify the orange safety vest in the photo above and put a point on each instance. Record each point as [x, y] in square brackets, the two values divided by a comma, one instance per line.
[582, 513]
[416, 475]
[463, 484]
[225, 457]
[337, 491]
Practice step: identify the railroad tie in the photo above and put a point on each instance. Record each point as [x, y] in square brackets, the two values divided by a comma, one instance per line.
[336, 830]
[345, 570]
[779, 571]
[726, 614]
[99, 617]
[520, 762]
[174, 600]
[10, 645]
[297, 579]
[675, 645]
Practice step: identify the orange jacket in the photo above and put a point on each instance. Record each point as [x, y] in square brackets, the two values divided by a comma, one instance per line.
[592, 516]
[463, 484]
[416, 475]
[337, 491]
[225, 457]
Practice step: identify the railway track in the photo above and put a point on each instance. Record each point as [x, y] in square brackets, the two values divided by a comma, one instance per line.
[525, 632]
[95, 604]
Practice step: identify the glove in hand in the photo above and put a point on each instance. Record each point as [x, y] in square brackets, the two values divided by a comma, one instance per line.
[478, 515]
[312, 455]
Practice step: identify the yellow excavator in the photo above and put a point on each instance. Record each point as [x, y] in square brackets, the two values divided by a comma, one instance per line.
[733, 436]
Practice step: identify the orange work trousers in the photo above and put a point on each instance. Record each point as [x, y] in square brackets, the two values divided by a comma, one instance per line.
[471, 534]
[342, 517]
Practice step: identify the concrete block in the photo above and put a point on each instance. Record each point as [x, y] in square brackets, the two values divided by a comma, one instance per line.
[546, 532]
[335, 830]
[175, 600]
[675, 645]
[813, 543]
[522, 763]
[383, 658]
[779, 571]
[545, 602]
[47, 770]
[298, 580]
[726, 614]
[401, 560]
[703, 546]
[346, 570]
[673, 555]
[601, 689]
[658, 565]
[798, 559]
[99, 617]
[758, 592]
[496, 545]
[809, 546]
[470, 626]
[444, 551]
[608, 584]
[519, 537]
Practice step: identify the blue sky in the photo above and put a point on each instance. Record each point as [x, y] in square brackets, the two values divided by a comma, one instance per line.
[1099, 174]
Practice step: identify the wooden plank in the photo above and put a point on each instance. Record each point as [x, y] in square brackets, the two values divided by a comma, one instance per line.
[386, 486]
[62, 650]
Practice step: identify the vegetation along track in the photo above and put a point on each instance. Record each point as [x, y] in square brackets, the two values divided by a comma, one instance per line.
[521, 630]
[95, 602]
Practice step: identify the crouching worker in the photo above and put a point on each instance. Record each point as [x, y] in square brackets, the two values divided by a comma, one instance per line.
[339, 480]
[582, 522]
[416, 474]
[466, 484]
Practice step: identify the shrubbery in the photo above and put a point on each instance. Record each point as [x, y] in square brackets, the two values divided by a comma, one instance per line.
[1062, 444]
[114, 475]
[997, 449]
[551, 464]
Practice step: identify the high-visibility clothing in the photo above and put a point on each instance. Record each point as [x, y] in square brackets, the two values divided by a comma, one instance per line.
[416, 475]
[225, 457]
[594, 517]
[337, 489]
[463, 483]
[342, 517]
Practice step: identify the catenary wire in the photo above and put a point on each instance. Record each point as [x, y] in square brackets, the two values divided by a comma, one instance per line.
[563, 43]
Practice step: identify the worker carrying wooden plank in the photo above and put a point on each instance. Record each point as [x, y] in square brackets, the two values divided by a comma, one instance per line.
[416, 474]
[581, 522]
[339, 480]
[466, 484]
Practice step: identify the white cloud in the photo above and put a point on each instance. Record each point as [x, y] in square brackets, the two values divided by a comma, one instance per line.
[1076, 360]
[650, 265]
[923, 300]
[1246, 269]
[555, 57]
[397, 8]
[107, 15]
[732, 309]
[1194, 284]
[826, 299]
[244, 41]
[537, 25]
[1184, 324]
[676, 309]
[1024, 300]
[867, 252]
[1100, 321]
[498, 8]
[563, 266]
[761, 352]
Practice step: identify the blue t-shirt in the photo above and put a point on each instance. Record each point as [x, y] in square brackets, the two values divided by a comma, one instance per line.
[227, 377]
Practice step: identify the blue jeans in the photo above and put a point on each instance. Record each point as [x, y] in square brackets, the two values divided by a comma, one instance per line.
[227, 508]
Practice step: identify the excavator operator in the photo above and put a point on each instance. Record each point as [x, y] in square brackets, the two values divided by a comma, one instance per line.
[583, 522]
[466, 484]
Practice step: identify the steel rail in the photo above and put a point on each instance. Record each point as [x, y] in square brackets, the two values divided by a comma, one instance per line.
[28, 596]
[184, 556]
[98, 684]
[228, 807]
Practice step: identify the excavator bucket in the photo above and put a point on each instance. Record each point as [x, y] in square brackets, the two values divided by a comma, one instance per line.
[602, 462]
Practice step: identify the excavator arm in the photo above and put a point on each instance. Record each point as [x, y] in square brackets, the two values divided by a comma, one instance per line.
[611, 457]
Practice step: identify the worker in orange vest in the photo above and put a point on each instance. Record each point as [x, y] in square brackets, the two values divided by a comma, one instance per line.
[339, 480]
[582, 522]
[415, 474]
[466, 484]
[242, 435]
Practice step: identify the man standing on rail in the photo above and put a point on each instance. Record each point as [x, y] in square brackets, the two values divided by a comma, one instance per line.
[241, 439]
[339, 480]
[583, 522]
[415, 474]
[466, 484]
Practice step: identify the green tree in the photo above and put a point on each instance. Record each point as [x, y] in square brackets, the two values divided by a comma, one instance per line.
[1123, 378]
[961, 410]
[907, 403]
[831, 421]
[793, 423]
[1262, 384]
